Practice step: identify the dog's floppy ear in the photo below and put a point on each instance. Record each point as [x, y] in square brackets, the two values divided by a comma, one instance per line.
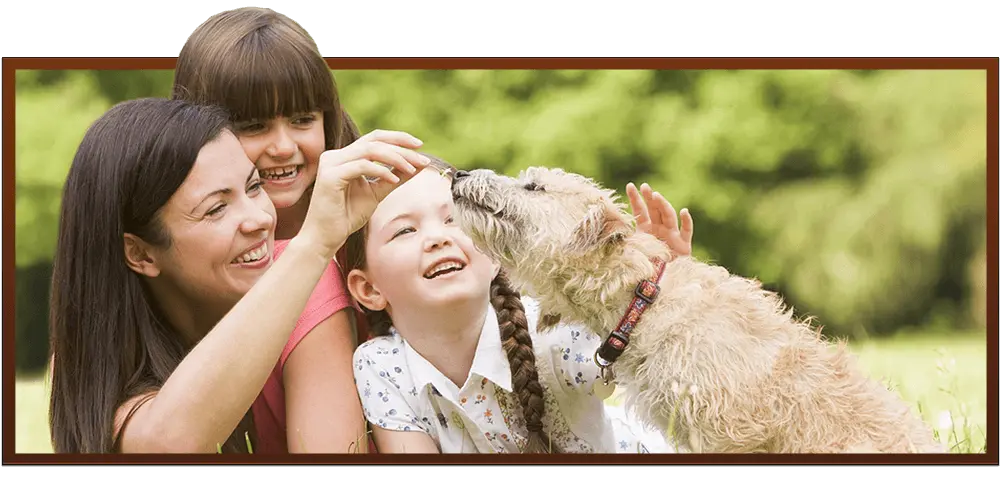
[602, 226]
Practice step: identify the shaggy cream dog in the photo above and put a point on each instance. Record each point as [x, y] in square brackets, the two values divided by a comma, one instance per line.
[716, 362]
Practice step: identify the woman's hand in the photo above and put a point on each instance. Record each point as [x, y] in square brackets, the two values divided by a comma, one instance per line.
[660, 219]
[351, 181]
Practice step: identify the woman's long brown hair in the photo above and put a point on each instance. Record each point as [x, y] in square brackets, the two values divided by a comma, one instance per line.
[109, 341]
[514, 333]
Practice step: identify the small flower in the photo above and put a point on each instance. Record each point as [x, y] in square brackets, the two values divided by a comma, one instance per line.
[488, 413]
[623, 444]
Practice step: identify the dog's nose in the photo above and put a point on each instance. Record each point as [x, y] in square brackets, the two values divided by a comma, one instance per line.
[459, 174]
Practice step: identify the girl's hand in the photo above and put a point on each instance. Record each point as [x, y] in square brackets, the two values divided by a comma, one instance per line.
[351, 181]
[660, 219]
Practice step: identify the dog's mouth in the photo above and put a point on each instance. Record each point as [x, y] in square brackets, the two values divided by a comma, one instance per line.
[444, 267]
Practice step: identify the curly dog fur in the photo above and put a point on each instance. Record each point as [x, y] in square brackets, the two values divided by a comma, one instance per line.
[760, 380]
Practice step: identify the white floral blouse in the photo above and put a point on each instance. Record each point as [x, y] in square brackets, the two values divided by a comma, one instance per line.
[400, 390]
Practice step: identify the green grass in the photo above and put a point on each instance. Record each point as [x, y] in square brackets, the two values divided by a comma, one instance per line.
[944, 377]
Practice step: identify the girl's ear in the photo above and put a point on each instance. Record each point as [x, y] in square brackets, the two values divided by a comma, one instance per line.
[364, 291]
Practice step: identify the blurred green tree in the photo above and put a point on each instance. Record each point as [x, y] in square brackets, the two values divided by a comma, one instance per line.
[859, 196]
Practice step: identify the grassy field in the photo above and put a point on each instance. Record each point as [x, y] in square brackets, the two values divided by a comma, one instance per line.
[943, 377]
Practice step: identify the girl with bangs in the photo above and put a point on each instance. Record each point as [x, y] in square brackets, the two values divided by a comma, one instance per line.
[266, 71]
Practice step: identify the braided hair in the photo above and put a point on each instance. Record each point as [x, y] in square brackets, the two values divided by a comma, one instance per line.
[515, 337]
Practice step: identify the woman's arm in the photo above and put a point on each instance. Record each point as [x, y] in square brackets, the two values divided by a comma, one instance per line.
[211, 390]
[208, 394]
[322, 410]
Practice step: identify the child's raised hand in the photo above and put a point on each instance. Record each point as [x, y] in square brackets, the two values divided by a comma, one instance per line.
[351, 181]
[660, 219]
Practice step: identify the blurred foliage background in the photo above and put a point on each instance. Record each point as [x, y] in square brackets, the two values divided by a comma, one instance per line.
[858, 195]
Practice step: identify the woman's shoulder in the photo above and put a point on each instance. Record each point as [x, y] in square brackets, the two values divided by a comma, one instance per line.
[329, 296]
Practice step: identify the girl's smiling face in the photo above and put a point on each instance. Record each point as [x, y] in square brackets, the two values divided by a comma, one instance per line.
[416, 255]
[286, 151]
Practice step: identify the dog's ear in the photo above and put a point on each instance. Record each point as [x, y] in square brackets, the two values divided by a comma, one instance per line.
[602, 226]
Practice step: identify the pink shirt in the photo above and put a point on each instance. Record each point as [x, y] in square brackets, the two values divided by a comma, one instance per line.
[329, 297]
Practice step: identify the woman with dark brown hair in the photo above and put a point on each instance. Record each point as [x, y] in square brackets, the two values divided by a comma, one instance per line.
[164, 319]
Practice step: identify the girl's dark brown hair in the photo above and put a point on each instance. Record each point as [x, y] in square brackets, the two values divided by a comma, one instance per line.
[259, 64]
[109, 341]
[515, 337]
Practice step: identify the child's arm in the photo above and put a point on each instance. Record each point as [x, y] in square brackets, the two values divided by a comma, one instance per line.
[387, 399]
[394, 441]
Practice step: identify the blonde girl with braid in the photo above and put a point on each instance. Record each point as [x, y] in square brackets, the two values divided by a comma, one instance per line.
[456, 363]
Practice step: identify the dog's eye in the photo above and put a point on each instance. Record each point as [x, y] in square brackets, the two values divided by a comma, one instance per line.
[532, 186]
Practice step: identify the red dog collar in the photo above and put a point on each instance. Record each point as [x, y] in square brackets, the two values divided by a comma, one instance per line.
[645, 294]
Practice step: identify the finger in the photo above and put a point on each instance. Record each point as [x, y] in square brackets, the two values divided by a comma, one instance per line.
[362, 168]
[687, 226]
[648, 200]
[412, 158]
[407, 161]
[382, 187]
[665, 212]
[399, 138]
[639, 207]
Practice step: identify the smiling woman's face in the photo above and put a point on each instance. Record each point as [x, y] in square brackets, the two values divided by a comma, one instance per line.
[221, 226]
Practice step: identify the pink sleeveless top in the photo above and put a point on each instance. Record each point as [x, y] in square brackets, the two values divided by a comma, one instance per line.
[329, 297]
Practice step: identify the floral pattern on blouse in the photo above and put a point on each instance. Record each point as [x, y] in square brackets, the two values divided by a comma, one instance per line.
[401, 391]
